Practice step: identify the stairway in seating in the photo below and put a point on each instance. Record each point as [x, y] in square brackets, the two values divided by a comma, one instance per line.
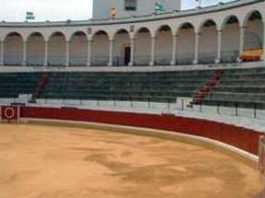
[41, 85]
[206, 88]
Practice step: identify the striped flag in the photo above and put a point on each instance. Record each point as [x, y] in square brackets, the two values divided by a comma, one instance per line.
[30, 16]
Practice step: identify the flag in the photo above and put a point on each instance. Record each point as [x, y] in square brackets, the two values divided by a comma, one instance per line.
[159, 7]
[30, 16]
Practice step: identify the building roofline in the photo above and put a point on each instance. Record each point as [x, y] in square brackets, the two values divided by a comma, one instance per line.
[135, 19]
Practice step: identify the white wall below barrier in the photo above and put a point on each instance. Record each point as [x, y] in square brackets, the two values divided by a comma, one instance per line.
[140, 105]
[6, 101]
[89, 103]
[72, 102]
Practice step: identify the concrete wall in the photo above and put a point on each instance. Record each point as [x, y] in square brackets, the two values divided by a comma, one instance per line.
[143, 48]
[230, 37]
[100, 50]
[13, 50]
[57, 50]
[185, 45]
[208, 43]
[120, 42]
[254, 35]
[163, 50]
[35, 50]
[78, 50]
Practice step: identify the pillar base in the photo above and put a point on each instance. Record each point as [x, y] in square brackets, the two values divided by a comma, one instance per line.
[195, 62]
[88, 64]
[151, 63]
[131, 64]
[239, 60]
[110, 64]
[217, 61]
[172, 63]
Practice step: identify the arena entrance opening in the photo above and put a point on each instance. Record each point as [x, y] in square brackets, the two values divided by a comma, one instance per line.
[127, 55]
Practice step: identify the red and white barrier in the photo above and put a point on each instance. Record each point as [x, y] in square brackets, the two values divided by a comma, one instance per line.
[242, 138]
[262, 154]
[9, 113]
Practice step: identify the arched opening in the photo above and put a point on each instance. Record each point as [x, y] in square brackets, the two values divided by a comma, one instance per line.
[185, 44]
[253, 38]
[142, 47]
[100, 49]
[230, 40]
[57, 49]
[208, 42]
[35, 49]
[163, 51]
[13, 49]
[121, 48]
[78, 49]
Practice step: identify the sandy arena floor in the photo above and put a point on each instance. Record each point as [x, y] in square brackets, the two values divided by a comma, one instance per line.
[63, 162]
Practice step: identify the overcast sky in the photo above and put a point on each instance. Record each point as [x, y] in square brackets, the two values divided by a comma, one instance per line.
[54, 10]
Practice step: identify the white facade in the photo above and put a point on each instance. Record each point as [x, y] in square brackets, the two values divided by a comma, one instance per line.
[208, 35]
[102, 8]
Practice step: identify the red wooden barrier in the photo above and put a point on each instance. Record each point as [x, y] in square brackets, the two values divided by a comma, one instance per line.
[239, 137]
[9, 112]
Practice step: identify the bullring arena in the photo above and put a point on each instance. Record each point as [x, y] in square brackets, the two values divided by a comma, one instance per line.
[166, 104]
[51, 161]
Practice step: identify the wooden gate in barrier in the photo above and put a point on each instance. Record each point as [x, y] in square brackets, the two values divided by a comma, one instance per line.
[10, 113]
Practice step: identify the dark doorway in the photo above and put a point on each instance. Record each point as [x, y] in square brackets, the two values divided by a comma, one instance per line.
[127, 55]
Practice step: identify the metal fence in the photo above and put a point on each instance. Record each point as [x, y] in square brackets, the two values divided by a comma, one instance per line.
[255, 111]
[158, 105]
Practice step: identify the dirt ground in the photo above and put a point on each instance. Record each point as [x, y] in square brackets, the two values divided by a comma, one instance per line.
[64, 162]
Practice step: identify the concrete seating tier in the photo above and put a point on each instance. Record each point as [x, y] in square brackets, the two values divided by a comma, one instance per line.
[13, 84]
[239, 87]
[139, 86]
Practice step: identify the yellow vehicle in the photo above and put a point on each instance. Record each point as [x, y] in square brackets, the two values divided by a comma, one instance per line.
[252, 54]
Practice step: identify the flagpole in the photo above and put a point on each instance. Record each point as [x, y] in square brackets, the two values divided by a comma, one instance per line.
[199, 3]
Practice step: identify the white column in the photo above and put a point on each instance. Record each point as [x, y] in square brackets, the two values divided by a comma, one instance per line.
[24, 61]
[2, 52]
[241, 42]
[153, 42]
[110, 52]
[196, 48]
[67, 53]
[46, 53]
[174, 50]
[219, 46]
[132, 44]
[89, 42]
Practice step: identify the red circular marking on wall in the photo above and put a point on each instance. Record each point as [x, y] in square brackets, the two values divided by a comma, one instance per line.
[9, 113]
